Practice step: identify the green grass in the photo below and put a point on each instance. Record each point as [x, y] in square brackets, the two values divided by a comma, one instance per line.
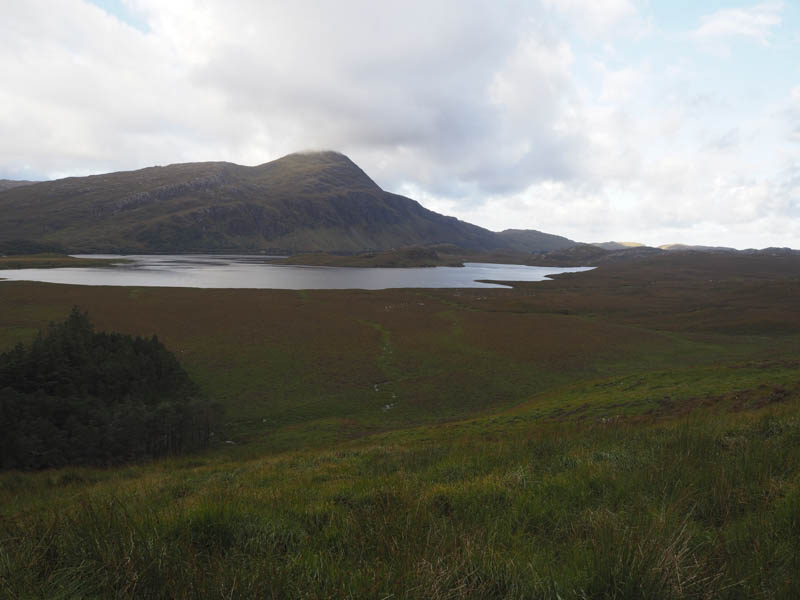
[696, 508]
[51, 261]
[590, 437]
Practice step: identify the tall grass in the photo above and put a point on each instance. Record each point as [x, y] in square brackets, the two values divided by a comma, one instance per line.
[695, 509]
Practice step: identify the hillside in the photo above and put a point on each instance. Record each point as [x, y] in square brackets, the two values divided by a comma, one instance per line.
[617, 245]
[7, 184]
[591, 255]
[318, 201]
[530, 240]
[669, 247]
[696, 248]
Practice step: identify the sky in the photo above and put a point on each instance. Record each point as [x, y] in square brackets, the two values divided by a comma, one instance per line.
[655, 121]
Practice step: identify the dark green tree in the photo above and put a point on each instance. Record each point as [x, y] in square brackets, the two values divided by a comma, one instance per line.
[76, 396]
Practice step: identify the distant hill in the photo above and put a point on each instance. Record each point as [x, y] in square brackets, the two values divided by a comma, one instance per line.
[668, 247]
[7, 184]
[685, 247]
[319, 201]
[530, 240]
[592, 255]
[617, 245]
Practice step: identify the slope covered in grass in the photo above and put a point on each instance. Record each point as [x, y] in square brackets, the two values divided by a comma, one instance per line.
[627, 432]
[506, 508]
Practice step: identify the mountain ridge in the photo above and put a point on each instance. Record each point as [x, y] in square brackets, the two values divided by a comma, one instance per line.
[317, 201]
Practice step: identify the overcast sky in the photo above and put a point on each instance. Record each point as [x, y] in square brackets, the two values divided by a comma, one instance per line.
[660, 121]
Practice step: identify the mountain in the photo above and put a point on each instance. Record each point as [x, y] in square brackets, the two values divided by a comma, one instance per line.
[7, 184]
[318, 201]
[530, 240]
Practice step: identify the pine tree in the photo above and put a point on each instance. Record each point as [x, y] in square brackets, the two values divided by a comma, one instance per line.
[86, 397]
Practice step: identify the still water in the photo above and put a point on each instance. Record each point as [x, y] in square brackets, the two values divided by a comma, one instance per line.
[233, 271]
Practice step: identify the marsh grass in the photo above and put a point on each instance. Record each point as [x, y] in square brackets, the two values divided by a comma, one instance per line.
[693, 508]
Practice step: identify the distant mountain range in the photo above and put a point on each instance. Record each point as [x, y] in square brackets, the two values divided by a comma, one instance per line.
[613, 252]
[304, 202]
[319, 201]
[670, 247]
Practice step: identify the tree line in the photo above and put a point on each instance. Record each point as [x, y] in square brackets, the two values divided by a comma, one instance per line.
[76, 396]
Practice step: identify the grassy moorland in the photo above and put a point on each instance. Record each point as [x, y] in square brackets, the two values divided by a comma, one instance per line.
[629, 432]
[51, 261]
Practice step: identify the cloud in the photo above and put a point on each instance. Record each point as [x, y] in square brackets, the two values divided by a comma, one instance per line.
[793, 115]
[755, 23]
[84, 92]
[597, 17]
[433, 85]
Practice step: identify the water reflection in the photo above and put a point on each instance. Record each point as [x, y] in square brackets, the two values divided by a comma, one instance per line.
[235, 271]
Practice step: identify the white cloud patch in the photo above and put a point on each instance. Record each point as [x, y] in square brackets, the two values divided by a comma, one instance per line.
[597, 17]
[756, 23]
[793, 115]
